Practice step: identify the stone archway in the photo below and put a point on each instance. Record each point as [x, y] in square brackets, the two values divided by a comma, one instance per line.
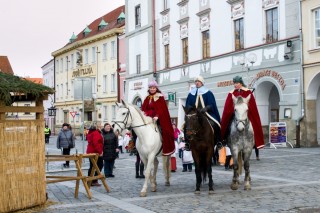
[312, 111]
[267, 96]
[137, 101]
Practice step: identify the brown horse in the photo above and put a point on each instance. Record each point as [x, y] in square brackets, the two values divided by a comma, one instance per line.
[201, 137]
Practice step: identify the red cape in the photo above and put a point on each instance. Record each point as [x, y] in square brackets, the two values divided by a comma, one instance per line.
[155, 106]
[253, 115]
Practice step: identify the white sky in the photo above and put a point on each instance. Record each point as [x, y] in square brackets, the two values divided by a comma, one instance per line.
[30, 30]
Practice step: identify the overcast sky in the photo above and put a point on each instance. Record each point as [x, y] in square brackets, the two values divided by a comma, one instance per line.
[30, 30]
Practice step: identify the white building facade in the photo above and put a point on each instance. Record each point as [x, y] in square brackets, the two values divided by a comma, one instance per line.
[48, 80]
[218, 39]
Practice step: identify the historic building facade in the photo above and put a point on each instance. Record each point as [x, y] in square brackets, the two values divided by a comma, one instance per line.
[256, 39]
[140, 40]
[86, 72]
[311, 66]
[48, 80]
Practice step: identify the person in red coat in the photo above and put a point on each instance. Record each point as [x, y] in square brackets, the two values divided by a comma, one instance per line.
[155, 106]
[95, 145]
[253, 114]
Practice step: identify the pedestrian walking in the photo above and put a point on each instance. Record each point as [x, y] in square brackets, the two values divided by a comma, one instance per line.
[65, 141]
[47, 133]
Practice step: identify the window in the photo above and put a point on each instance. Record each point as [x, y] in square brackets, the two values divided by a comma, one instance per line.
[206, 44]
[57, 92]
[113, 111]
[165, 4]
[104, 51]
[166, 56]
[72, 89]
[94, 54]
[57, 66]
[185, 50]
[113, 49]
[72, 61]
[93, 87]
[272, 25]
[138, 16]
[67, 89]
[86, 53]
[61, 64]
[104, 83]
[61, 91]
[238, 34]
[77, 114]
[105, 113]
[113, 82]
[124, 87]
[138, 63]
[317, 27]
[67, 61]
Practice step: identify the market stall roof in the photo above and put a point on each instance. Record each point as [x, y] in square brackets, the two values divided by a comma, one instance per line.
[14, 88]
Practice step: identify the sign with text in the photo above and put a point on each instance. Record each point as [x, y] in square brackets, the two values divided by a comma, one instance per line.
[278, 133]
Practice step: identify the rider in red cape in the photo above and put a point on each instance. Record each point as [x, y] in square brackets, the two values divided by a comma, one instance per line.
[155, 106]
[253, 114]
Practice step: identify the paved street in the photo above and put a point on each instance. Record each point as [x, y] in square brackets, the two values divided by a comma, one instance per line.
[284, 180]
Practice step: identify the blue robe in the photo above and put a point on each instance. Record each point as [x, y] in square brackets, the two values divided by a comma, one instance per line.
[204, 98]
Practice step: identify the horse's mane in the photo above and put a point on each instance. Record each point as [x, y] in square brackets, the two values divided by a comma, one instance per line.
[145, 118]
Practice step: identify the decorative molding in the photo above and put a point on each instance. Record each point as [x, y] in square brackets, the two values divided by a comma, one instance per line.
[269, 3]
[203, 12]
[231, 2]
[204, 23]
[184, 30]
[164, 12]
[237, 10]
[181, 21]
[182, 3]
[165, 28]
[165, 37]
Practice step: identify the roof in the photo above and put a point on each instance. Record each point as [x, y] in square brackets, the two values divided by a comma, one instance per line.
[14, 87]
[5, 65]
[35, 80]
[110, 18]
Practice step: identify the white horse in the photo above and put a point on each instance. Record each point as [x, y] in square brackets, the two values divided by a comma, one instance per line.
[148, 144]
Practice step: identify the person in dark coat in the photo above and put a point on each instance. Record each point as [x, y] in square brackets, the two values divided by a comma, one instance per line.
[204, 100]
[65, 140]
[110, 149]
[95, 145]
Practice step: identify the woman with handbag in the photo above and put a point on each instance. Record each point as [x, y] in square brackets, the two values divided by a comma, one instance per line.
[65, 141]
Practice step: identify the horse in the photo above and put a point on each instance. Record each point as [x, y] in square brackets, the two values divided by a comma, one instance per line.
[148, 143]
[241, 141]
[200, 134]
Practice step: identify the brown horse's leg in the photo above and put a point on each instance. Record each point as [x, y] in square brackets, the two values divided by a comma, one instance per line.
[198, 178]
[210, 178]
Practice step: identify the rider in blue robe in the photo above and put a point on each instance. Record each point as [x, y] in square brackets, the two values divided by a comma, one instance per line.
[203, 99]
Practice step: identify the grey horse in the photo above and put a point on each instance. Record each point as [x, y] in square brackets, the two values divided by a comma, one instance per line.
[241, 141]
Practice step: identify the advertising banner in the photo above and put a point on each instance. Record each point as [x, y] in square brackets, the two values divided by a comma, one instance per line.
[278, 133]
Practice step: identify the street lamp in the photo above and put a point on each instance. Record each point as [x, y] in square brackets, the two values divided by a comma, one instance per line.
[52, 110]
[251, 58]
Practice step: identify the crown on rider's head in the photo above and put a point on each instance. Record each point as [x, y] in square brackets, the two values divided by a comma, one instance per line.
[199, 78]
[153, 83]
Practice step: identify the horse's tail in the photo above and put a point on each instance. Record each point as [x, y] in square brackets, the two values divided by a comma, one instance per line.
[240, 163]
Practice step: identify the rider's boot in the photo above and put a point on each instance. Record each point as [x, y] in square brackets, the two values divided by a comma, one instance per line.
[141, 170]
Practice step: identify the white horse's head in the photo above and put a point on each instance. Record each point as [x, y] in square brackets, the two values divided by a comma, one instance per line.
[123, 117]
[241, 111]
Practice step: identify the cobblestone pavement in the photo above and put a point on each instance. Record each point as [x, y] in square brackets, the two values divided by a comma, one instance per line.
[284, 180]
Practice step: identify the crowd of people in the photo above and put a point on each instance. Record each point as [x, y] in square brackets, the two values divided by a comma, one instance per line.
[108, 144]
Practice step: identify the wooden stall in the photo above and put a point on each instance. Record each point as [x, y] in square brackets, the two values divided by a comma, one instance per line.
[22, 146]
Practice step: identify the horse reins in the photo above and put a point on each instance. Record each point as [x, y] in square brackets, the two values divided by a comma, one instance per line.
[125, 122]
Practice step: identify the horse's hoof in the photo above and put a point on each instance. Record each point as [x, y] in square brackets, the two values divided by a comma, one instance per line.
[154, 189]
[197, 192]
[143, 194]
[247, 187]
[211, 192]
[167, 184]
[234, 186]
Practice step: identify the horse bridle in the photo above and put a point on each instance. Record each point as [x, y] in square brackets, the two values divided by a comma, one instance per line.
[193, 132]
[244, 122]
[125, 121]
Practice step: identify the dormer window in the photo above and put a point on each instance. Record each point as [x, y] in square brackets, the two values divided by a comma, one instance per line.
[86, 31]
[121, 17]
[102, 25]
[73, 38]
